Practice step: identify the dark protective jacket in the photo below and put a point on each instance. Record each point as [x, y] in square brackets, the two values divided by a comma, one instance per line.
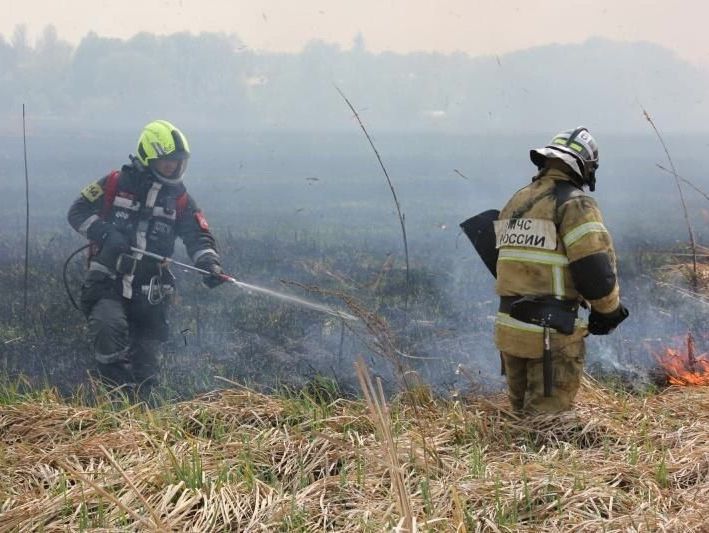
[552, 242]
[149, 214]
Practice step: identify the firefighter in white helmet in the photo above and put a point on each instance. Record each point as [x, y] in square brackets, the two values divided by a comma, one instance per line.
[554, 254]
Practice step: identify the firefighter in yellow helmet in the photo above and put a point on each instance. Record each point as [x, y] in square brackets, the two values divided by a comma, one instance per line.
[554, 254]
[144, 206]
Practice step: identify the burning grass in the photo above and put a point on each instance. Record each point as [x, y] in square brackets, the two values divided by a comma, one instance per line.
[684, 366]
[240, 460]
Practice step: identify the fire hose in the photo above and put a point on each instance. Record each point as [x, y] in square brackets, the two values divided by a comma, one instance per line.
[249, 287]
[65, 268]
[227, 279]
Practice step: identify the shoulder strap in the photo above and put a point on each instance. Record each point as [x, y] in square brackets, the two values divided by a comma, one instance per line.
[565, 191]
[109, 193]
[530, 203]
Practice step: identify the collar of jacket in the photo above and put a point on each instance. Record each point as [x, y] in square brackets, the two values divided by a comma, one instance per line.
[135, 172]
[555, 173]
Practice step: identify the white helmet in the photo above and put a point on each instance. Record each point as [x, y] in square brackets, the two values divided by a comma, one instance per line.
[577, 148]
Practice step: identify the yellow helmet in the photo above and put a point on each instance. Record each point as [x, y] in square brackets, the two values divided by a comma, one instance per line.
[163, 149]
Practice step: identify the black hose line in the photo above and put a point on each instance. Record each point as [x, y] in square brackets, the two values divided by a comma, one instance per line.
[64, 275]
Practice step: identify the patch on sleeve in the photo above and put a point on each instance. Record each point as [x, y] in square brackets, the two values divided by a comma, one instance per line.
[526, 232]
[199, 217]
[594, 275]
[92, 192]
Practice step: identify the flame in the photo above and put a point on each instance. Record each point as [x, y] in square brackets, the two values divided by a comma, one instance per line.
[683, 367]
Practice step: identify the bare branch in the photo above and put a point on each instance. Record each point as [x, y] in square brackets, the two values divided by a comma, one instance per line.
[692, 243]
[692, 185]
[391, 187]
[27, 220]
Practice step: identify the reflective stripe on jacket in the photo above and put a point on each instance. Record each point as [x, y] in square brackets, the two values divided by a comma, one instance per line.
[552, 242]
[150, 215]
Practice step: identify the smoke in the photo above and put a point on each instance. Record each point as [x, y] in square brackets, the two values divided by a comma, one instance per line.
[326, 220]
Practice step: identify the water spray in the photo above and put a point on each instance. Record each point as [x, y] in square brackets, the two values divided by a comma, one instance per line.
[252, 288]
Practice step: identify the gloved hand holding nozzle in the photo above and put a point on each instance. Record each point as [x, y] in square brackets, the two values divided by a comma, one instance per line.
[211, 264]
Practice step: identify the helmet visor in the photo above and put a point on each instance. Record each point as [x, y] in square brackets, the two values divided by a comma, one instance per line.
[169, 169]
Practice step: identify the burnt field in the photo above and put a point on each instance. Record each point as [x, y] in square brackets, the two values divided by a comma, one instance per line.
[442, 329]
[270, 416]
[312, 215]
[257, 424]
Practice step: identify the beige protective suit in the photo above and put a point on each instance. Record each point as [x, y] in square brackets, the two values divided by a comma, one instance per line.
[552, 242]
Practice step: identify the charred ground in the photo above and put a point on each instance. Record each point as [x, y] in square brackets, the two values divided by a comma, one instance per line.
[315, 210]
[445, 333]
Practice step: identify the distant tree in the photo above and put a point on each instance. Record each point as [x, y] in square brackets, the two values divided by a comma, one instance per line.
[358, 43]
[52, 58]
[20, 41]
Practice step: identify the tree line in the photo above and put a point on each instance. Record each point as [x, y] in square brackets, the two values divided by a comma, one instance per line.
[214, 80]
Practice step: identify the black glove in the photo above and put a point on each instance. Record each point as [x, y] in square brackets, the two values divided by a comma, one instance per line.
[112, 243]
[210, 263]
[603, 324]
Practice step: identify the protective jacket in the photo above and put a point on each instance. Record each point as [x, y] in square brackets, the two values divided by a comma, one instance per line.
[552, 243]
[149, 214]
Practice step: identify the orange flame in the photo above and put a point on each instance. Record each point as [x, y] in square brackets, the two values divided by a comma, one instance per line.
[683, 367]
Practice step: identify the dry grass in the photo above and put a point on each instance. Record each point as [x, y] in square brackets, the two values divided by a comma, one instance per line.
[680, 272]
[236, 460]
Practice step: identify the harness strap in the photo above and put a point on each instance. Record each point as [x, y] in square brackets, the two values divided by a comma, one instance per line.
[109, 193]
[141, 234]
[181, 204]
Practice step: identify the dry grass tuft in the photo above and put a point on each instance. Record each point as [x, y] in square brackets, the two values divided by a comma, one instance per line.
[681, 272]
[238, 460]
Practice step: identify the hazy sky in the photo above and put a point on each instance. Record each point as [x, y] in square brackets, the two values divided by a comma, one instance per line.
[473, 26]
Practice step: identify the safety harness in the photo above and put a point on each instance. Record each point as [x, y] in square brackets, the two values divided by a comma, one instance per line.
[160, 285]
